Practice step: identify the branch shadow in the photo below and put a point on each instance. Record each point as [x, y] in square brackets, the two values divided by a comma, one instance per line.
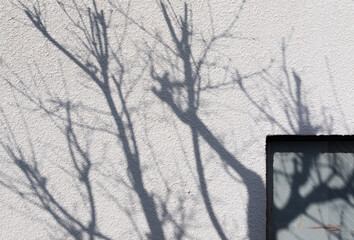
[103, 66]
[35, 190]
[304, 174]
[182, 95]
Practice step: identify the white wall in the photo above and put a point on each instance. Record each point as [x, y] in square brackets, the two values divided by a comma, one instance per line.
[271, 41]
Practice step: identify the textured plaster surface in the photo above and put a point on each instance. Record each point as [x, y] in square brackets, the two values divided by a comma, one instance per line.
[311, 39]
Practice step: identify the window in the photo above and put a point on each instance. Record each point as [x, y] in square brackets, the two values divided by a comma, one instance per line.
[310, 187]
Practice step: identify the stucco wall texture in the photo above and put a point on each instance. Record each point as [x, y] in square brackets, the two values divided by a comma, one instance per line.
[149, 119]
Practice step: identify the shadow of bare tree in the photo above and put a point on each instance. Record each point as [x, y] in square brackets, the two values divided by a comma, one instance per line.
[39, 194]
[183, 97]
[307, 156]
[176, 75]
[97, 63]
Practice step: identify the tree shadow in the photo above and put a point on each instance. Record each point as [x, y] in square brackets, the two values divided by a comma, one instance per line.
[301, 174]
[35, 190]
[182, 95]
[180, 84]
[103, 66]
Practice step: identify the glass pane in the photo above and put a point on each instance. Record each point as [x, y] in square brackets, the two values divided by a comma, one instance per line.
[312, 190]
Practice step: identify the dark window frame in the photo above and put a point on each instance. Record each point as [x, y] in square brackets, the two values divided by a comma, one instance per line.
[269, 165]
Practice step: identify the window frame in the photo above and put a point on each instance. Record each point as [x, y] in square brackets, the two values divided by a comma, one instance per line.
[269, 166]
